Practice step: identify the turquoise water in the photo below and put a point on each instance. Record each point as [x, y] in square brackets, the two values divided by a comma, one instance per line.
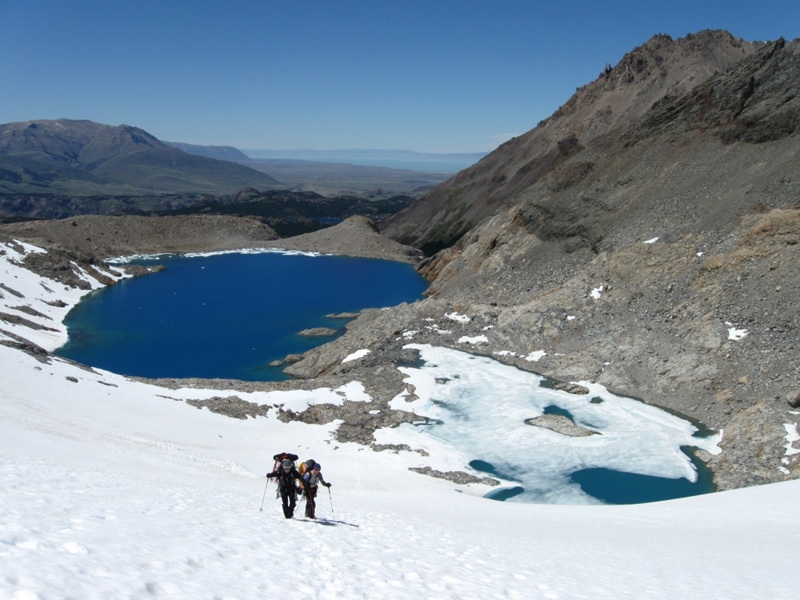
[228, 315]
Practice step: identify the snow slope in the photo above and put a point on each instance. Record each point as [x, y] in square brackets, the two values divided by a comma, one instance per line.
[113, 488]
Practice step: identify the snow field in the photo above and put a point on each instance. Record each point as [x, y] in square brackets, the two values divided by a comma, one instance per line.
[124, 492]
[112, 488]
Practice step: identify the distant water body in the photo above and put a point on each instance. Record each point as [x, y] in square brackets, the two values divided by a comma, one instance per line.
[398, 159]
[228, 315]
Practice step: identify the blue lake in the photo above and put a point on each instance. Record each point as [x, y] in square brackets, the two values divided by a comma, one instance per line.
[228, 315]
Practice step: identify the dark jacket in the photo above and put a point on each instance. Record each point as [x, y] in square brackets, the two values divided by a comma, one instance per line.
[286, 479]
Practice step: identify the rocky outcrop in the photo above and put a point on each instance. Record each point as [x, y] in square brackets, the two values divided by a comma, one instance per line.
[231, 406]
[459, 477]
[560, 424]
[355, 236]
[318, 332]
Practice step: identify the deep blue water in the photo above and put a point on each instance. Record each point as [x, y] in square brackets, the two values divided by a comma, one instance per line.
[617, 487]
[228, 315]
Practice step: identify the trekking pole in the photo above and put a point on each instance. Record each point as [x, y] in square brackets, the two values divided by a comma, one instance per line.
[274, 468]
[333, 514]
[264, 496]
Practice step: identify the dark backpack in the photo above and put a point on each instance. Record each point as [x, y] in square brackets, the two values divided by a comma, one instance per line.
[279, 457]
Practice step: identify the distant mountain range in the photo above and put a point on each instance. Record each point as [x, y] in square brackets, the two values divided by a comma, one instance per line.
[80, 159]
[346, 172]
[84, 158]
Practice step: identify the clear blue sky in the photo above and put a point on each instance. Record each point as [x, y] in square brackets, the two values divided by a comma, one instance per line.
[426, 75]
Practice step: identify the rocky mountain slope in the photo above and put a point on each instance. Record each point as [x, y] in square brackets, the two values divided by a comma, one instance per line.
[660, 68]
[644, 237]
[86, 158]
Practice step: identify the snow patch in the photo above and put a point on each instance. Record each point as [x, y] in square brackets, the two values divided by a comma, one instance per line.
[791, 437]
[454, 316]
[478, 339]
[159, 255]
[734, 333]
[435, 328]
[536, 356]
[49, 300]
[354, 392]
[356, 355]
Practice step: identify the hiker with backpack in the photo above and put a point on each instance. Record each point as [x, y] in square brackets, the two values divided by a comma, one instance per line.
[286, 475]
[311, 481]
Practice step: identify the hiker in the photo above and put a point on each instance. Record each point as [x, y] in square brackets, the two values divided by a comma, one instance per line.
[310, 483]
[286, 475]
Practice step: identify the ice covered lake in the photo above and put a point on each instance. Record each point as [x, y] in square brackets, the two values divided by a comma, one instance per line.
[229, 315]
[636, 452]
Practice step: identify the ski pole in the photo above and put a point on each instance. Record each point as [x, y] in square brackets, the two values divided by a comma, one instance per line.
[264, 496]
[333, 514]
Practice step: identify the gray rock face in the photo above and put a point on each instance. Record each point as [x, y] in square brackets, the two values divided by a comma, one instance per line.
[459, 477]
[560, 424]
[318, 332]
[658, 69]
[231, 406]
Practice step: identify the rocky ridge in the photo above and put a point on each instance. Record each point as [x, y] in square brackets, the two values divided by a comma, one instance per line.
[660, 68]
[102, 237]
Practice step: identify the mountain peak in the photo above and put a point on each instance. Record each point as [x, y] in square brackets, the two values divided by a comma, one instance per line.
[617, 98]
